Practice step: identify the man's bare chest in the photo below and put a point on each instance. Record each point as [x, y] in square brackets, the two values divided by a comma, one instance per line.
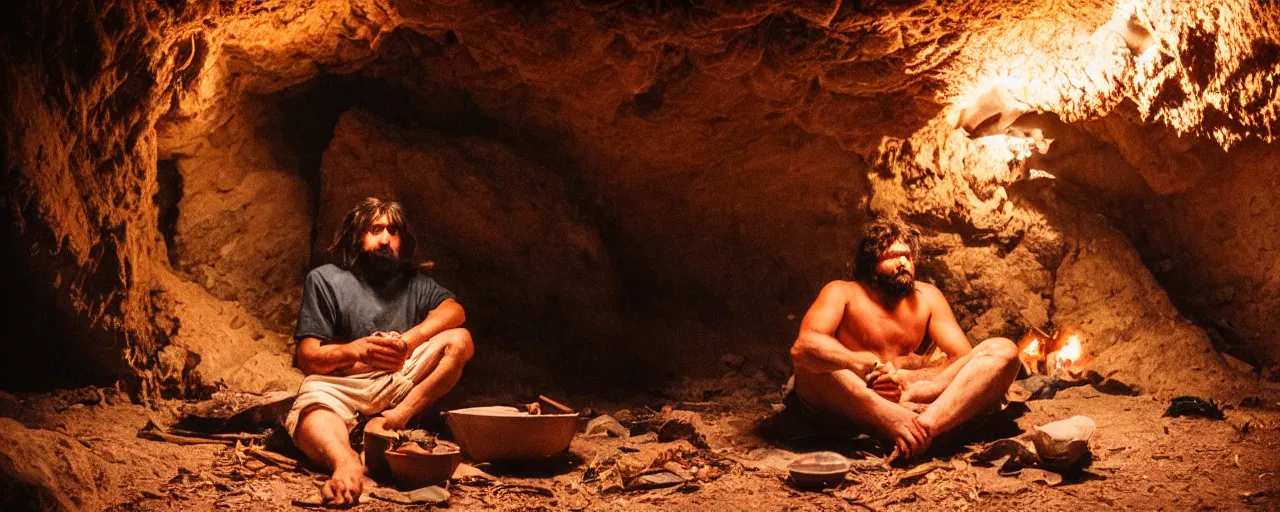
[888, 333]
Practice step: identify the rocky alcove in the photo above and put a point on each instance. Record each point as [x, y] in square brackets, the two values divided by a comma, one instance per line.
[628, 195]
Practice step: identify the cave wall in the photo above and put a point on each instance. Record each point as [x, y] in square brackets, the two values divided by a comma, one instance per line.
[1216, 251]
[83, 88]
[498, 229]
[706, 167]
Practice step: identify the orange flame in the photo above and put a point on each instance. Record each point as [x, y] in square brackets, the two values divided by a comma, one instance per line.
[1070, 351]
[1033, 348]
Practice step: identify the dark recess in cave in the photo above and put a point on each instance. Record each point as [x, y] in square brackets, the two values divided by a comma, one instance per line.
[43, 351]
[168, 195]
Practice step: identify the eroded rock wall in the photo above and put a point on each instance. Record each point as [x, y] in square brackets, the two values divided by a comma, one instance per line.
[84, 85]
[700, 170]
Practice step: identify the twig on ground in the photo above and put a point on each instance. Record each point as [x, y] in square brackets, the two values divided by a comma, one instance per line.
[523, 489]
[273, 458]
[224, 437]
[156, 435]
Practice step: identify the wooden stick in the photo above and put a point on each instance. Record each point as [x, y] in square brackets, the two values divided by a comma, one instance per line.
[272, 457]
[156, 435]
[229, 437]
[563, 408]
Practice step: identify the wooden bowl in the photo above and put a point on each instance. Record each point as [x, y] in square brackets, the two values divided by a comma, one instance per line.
[818, 469]
[412, 470]
[500, 433]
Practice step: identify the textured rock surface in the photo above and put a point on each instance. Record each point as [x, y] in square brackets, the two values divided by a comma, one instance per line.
[44, 470]
[498, 228]
[708, 165]
[244, 213]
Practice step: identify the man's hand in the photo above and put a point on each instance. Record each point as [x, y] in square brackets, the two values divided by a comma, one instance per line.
[886, 381]
[380, 351]
[910, 438]
[394, 419]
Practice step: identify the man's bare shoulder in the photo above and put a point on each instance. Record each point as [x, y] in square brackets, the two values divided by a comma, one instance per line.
[842, 289]
[930, 294]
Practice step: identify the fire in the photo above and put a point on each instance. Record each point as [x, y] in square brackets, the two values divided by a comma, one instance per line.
[1070, 351]
[1033, 349]
[1042, 354]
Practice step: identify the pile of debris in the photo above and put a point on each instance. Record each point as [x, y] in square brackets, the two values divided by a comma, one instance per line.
[663, 448]
[652, 465]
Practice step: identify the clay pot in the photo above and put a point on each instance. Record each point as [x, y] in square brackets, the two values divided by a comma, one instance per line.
[501, 433]
[415, 470]
[376, 441]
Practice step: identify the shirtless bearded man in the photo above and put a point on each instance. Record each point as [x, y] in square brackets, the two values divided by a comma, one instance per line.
[855, 355]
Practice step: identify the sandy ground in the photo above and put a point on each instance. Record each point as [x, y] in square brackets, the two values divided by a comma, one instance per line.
[1141, 460]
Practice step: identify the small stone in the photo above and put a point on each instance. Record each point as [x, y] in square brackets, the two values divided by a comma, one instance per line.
[606, 425]
[682, 425]
[254, 465]
[655, 480]
[1064, 443]
[1237, 365]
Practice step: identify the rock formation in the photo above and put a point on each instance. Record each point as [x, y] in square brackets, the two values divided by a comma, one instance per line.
[651, 183]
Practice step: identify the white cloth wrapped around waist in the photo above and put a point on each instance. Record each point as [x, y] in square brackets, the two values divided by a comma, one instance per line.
[365, 393]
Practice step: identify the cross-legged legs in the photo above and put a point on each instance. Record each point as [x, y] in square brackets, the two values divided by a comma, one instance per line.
[846, 395]
[973, 384]
[435, 373]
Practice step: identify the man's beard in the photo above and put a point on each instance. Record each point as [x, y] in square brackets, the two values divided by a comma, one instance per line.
[380, 265]
[896, 285]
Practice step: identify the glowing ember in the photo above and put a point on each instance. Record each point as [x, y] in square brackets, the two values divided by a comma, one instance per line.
[1059, 355]
[1033, 348]
[1032, 353]
[1070, 351]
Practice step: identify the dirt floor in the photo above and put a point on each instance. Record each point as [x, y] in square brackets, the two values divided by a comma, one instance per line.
[1140, 460]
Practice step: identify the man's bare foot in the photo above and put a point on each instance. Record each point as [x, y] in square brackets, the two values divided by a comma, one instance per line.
[346, 484]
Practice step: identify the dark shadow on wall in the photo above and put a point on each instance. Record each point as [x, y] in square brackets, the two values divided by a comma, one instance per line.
[167, 198]
[40, 346]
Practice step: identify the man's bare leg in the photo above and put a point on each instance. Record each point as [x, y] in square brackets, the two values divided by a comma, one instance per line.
[447, 353]
[974, 384]
[322, 435]
[845, 394]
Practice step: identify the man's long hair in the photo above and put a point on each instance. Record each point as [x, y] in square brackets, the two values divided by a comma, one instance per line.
[348, 241]
[877, 237]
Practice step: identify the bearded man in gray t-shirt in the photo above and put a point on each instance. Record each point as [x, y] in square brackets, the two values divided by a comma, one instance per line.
[375, 336]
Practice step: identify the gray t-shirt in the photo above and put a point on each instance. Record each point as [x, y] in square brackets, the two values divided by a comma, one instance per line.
[339, 307]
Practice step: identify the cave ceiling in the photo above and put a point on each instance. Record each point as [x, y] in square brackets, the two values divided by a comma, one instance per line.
[714, 157]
